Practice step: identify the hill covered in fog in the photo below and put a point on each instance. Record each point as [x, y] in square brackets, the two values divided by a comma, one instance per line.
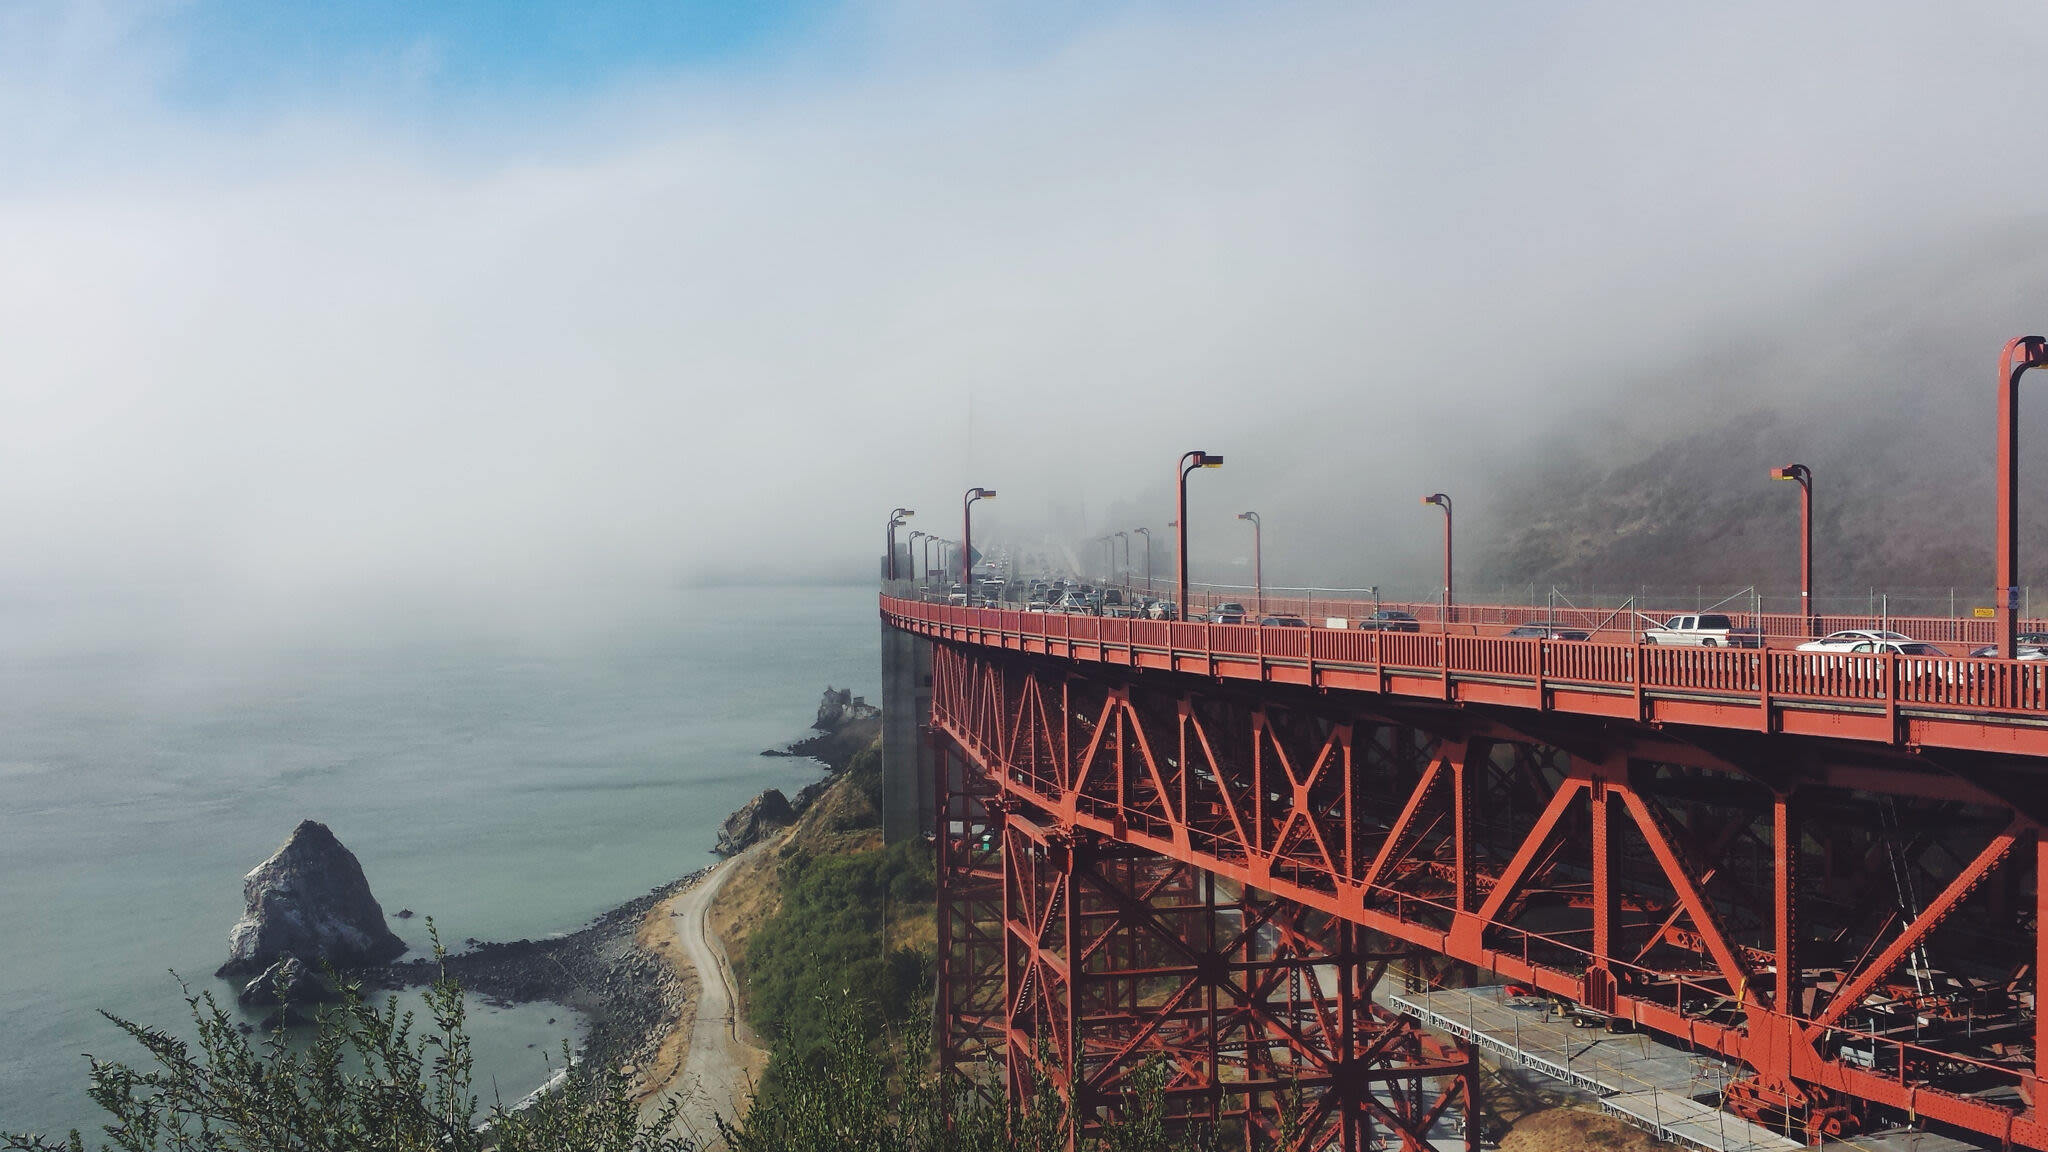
[1887, 391]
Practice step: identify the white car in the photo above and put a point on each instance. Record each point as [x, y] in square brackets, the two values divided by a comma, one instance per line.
[1898, 648]
[1847, 641]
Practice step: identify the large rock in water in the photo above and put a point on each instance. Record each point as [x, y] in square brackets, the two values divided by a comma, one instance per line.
[309, 900]
[743, 828]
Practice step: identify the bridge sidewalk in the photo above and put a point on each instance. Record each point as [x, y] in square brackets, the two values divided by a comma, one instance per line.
[1649, 1084]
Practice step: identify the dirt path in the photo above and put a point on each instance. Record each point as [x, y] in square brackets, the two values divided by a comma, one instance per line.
[720, 1061]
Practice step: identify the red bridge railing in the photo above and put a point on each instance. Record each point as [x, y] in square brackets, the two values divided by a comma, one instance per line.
[1988, 704]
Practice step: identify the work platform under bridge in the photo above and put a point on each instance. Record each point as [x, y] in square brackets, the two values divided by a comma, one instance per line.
[1208, 846]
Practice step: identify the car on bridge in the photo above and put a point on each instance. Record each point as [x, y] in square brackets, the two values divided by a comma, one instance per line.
[1228, 612]
[1162, 610]
[1282, 621]
[1846, 641]
[1703, 630]
[1546, 632]
[1389, 620]
[2027, 646]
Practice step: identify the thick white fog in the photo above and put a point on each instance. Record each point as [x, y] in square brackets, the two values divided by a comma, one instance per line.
[716, 322]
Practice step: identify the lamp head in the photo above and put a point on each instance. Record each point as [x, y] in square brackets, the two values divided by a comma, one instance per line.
[1438, 499]
[1794, 472]
[1252, 516]
[1207, 460]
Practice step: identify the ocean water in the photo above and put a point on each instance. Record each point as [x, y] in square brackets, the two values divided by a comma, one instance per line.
[509, 777]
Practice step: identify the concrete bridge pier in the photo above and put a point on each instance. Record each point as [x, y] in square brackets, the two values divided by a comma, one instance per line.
[907, 803]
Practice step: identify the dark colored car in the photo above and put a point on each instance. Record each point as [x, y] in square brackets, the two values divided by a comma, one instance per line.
[2027, 646]
[1388, 620]
[1546, 632]
[1282, 622]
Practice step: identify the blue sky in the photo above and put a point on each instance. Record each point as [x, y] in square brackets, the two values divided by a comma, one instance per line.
[239, 50]
[230, 55]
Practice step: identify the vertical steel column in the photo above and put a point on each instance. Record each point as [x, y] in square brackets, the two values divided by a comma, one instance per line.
[942, 867]
[969, 1004]
[1785, 833]
[2040, 968]
[1603, 880]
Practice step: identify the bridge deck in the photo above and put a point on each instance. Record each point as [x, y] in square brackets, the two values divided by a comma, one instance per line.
[1937, 702]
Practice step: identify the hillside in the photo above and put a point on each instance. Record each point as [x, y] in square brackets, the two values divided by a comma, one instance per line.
[1886, 391]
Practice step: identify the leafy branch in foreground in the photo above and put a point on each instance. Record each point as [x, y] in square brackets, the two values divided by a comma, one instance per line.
[367, 1082]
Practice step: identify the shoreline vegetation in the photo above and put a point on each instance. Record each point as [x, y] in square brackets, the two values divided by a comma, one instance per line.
[637, 1000]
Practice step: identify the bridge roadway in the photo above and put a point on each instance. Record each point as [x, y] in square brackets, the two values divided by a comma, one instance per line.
[1826, 867]
[1987, 705]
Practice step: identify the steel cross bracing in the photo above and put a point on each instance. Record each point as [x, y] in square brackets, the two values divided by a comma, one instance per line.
[1257, 1012]
[1854, 921]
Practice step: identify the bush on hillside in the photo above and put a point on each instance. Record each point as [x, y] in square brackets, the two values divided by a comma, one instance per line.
[826, 943]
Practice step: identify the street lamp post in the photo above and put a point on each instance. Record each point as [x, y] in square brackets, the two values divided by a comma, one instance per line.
[917, 574]
[1147, 534]
[1258, 559]
[1801, 475]
[1189, 461]
[2019, 355]
[967, 537]
[896, 519]
[1125, 571]
[1444, 502]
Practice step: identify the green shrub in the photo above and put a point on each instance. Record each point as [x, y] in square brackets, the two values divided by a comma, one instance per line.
[826, 944]
[367, 1082]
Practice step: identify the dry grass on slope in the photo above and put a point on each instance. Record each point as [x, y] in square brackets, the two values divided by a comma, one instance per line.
[838, 823]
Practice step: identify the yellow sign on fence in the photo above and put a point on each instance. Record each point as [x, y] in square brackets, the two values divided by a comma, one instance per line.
[1984, 613]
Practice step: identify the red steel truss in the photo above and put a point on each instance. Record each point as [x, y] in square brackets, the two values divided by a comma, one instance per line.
[1257, 1012]
[1855, 921]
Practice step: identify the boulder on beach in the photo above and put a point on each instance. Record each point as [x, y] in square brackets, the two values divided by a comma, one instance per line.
[754, 820]
[311, 901]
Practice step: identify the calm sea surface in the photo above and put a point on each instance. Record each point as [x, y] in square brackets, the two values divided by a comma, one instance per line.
[511, 780]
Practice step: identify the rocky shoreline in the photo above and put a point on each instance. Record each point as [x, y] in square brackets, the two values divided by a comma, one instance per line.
[631, 997]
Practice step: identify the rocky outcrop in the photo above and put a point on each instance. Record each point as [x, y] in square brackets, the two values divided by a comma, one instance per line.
[311, 901]
[754, 820]
[841, 707]
[299, 984]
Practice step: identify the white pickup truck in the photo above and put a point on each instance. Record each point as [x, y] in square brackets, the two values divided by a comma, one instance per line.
[1706, 630]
